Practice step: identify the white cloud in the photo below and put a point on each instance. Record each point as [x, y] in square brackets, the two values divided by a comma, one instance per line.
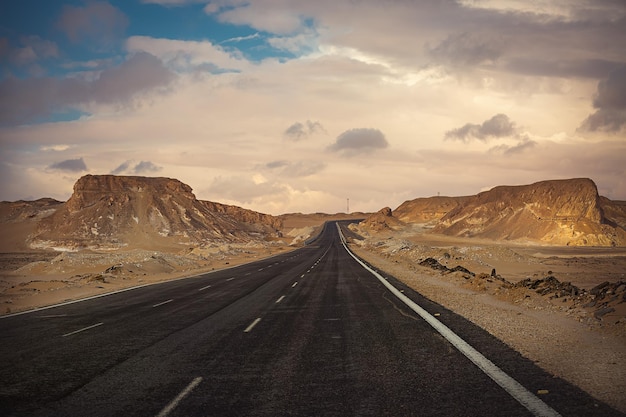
[183, 55]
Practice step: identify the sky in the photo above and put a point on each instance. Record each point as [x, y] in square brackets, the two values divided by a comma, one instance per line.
[285, 106]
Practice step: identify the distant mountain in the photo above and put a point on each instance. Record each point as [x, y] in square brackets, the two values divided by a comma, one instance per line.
[109, 212]
[558, 212]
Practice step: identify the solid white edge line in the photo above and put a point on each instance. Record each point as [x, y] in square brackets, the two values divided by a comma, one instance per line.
[174, 403]
[251, 326]
[83, 329]
[510, 385]
[164, 302]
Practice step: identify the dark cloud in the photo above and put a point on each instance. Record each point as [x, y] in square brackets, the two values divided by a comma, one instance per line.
[122, 168]
[28, 100]
[524, 144]
[581, 68]
[610, 102]
[468, 49]
[97, 23]
[142, 167]
[276, 164]
[299, 131]
[70, 165]
[359, 140]
[497, 127]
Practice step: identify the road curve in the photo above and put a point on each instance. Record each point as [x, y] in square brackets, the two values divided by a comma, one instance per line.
[310, 332]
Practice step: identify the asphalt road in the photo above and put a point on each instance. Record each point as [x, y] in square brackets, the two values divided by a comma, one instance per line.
[307, 333]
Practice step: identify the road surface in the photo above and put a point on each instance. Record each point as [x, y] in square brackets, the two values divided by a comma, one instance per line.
[306, 333]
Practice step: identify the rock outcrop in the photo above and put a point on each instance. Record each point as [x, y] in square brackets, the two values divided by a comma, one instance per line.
[110, 212]
[426, 210]
[381, 220]
[562, 212]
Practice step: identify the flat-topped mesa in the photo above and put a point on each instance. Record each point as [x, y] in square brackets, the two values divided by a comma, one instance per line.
[108, 212]
[564, 212]
[91, 189]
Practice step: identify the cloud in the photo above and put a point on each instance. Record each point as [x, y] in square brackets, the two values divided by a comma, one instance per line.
[31, 49]
[242, 38]
[299, 131]
[358, 141]
[244, 189]
[471, 48]
[69, 165]
[184, 55]
[610, 100]
[522, 146]
[168, 3]
[28, 100]
[143, 167]
[497, 127]
[279, 20]
[56, 148]
[146, 167]
[297, 169]
[98, 22]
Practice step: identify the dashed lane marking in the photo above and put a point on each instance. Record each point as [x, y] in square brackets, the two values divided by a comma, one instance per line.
[83, 329]
[251, 326]
[174, 403]
[280, 299]
[163, 303]
[294, 284]
[204, 288]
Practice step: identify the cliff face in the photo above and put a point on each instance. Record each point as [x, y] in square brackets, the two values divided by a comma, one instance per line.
[254, 220]
[563, 212]
[425, 210]
[109, 212]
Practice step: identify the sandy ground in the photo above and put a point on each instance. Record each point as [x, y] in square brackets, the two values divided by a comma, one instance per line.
[565, 340]
[561, 337]
[45, 279]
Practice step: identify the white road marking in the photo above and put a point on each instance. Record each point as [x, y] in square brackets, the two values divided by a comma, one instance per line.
[174, 403]
[164, 302]
[515, 389]
[251, 326]
[204, 288]
[280, 299]
[230, 279]
[260, 269]
[51, 316]
[302, 276]
[294, 284]
[83, 329]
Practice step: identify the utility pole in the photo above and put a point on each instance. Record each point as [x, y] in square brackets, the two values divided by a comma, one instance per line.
[348, 203]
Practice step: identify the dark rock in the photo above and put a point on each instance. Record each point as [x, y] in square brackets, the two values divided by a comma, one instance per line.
[602, 311]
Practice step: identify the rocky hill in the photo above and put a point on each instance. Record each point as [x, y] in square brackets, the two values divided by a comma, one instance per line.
[557, 212]
[425, 210]
[110, 212]
[563, 212]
